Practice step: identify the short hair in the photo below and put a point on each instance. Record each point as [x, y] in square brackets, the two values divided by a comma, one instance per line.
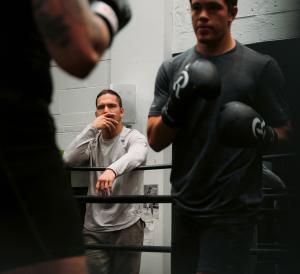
[110, 91]
[229, 3]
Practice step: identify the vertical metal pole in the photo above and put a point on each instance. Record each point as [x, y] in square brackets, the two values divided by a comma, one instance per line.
[172, 233]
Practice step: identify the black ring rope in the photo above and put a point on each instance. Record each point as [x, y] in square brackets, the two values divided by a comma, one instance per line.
[270, 157]
[167, 199]
[167, 166]
[268, 251]
[99, 168]
[141, 248]
[125, 199]
[168, 249]
[142, 198]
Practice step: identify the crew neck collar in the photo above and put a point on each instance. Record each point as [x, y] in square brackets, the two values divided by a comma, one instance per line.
[237, 44]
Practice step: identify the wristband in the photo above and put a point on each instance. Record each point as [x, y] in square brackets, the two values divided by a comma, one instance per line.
[271, 136]
[172, 112]
[167, 119]
[108, 14]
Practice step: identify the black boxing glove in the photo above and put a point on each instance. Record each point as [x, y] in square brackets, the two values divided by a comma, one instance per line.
[198, 80]
[116, 14]
[240, 125]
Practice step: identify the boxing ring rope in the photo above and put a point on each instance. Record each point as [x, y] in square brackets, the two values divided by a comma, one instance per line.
[150, 167]
[125, 199]
[168, 166]
[277, 156]
[144, 198]
[169, 199]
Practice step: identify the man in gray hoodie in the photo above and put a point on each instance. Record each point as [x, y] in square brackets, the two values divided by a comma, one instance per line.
[107, 142]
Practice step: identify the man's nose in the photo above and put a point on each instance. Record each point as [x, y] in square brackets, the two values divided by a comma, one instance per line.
[203, 14]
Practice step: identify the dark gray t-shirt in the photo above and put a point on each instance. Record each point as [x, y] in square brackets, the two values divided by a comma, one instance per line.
[24, 56]
[208, 179]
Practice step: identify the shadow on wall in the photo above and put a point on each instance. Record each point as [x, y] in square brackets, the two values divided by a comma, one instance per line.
[287, 54]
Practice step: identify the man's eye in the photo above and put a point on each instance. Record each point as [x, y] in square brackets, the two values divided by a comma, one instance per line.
[196, 7]
[213, 7]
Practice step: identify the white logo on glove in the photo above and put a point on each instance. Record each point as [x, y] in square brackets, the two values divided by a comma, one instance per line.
[181, 83]
[258, 128]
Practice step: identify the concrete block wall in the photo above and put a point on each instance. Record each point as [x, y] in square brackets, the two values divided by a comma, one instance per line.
[134, 58]
[73, 103]
[159, 28]
[257, 21]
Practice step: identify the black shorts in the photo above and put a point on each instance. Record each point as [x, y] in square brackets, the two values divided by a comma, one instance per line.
[208, 247]
[39, 217]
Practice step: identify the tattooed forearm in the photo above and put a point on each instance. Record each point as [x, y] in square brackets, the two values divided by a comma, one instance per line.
[54, 29]
[51, 24]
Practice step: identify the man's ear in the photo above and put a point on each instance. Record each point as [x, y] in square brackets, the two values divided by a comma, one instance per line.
[232, 14]
[234, 11]
[122, 112]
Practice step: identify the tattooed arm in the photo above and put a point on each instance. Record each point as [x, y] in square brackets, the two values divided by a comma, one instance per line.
[75, 37]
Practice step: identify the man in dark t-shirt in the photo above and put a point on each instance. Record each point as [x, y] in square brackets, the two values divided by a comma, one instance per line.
[40, 229]
[217, 187]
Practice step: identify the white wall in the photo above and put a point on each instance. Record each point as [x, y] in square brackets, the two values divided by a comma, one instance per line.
[135, 57]
[73, 103]
[257, 21]
[158, 29]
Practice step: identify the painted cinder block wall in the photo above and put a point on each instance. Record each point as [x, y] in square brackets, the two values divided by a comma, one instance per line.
[257, 21]
[159, 28]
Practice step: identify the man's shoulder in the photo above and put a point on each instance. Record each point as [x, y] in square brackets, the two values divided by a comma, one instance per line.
[127, 132]
[253, 55]
[179, 58]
